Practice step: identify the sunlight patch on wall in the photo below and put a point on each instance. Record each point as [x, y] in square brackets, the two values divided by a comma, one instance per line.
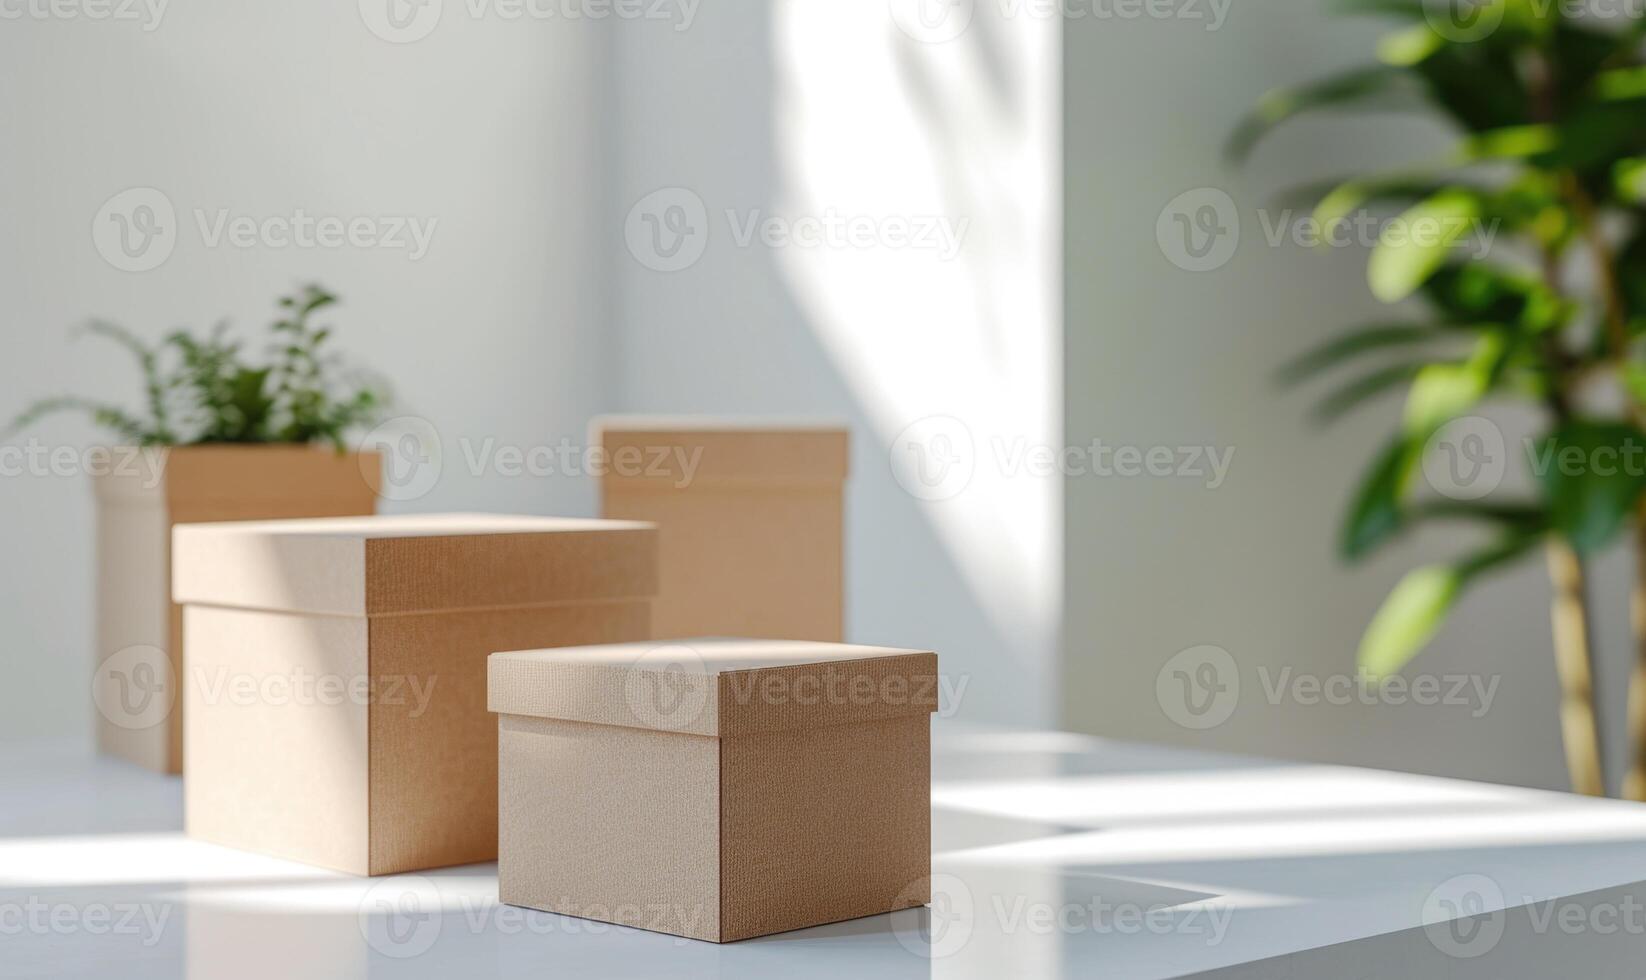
[930, 175]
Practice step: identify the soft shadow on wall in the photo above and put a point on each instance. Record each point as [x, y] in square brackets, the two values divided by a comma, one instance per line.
[1166, 351]
[830, 209]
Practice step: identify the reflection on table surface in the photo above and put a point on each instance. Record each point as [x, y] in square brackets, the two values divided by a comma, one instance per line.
[1054, 854]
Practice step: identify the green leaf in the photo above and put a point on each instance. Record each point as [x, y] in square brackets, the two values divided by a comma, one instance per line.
[248, 406]
[1409, 618]
[1475, 292]
[1631, 275]
[1374, 85]
[1634, 379]
[149, 364]
[1593, 473]
[1480, 86]
[1629, 179]
[1510, 143]
[1521, 518]
[1420, 602]
[120, 335]
[122, 425]
[1412, 9]
[1442, 392]
[1409, 46]
[1414, 246]
[1621, 84]
[1352, 344]
[1376, 515]
[1343, 198]
[224, 399]
[1592, 138]
[1363, 389]
[1583, 53]
[1439, 393]
[315, 298]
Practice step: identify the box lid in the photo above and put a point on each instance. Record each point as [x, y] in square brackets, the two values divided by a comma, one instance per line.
[685, 450]
[714, 686]
[374, 566]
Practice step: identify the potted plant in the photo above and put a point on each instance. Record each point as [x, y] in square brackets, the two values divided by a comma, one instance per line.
[1549, 111]
[223, 436]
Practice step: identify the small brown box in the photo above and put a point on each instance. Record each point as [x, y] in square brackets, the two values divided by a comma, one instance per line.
[715, 789]
[141, 494]
[336, 681]
[750, 515]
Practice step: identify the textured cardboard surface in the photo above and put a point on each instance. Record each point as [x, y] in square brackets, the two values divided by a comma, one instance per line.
[434, 775]
[714, 686]
[386, 565]
[823, 824]
[285, 779]
[751, 518]
[143, 494]
[615, 824]
[722, 449]
[402, 767]
[777, 800]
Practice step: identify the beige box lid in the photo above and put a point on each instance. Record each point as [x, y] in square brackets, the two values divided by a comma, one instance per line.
[714, 686]
[670, 449]
[373, 566]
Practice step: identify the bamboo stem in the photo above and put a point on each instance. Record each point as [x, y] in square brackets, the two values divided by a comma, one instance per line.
[1574, 659]
[1617, 334]
[1634, 781]
[1579, 724]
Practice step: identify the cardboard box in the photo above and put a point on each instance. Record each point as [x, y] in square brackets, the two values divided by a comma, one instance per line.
[715, 789]
[141, 494]
[336, 672]
[751, 515]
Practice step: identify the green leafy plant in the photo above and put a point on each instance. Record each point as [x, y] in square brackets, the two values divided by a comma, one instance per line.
[203, 389]
[1548, 109]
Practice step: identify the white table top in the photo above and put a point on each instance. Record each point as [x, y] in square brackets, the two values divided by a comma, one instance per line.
[1054, 854]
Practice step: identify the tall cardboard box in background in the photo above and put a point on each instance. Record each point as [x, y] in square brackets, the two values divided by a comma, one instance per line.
[715, 789]
[336, 672]
[751, 516]
[141, 494]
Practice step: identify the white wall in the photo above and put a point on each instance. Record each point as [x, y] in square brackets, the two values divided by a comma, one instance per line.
[482, 126]
[1161, 356]
[528, 142]
[794, 110]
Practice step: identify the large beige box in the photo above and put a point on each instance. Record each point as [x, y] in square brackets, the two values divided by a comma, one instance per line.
[750, 515]
[335, 673]
[141, 494]
[715, 789]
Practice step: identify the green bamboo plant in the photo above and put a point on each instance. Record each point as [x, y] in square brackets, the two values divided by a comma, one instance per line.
[1549, 113]
[204, 389]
